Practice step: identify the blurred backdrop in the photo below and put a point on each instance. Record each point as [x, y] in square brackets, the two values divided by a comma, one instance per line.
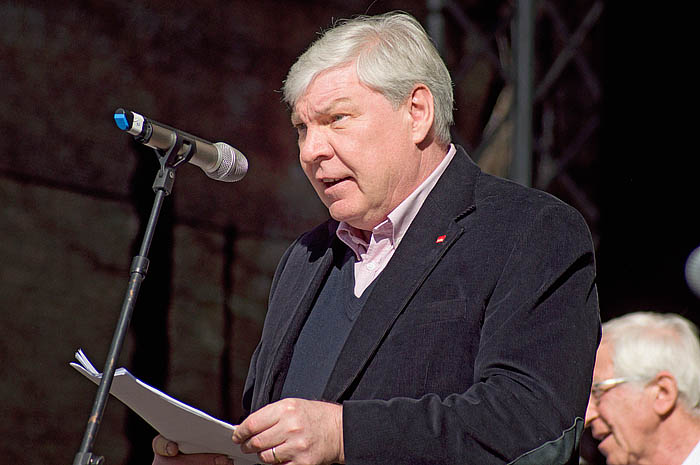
[610, 125]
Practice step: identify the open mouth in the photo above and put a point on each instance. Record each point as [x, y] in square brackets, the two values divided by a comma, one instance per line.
[602, 447]
[601, 435]
[330, 182]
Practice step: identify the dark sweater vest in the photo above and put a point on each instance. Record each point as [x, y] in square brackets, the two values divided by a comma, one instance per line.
[325, 331]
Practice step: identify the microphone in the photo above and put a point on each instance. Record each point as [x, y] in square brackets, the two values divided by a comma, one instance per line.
[692, 271]
[219, 161]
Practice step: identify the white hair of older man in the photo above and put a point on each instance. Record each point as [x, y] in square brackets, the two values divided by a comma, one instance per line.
[392, 53]
[645, 343]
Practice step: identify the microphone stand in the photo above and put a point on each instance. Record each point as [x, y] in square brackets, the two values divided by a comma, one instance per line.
[169, 160]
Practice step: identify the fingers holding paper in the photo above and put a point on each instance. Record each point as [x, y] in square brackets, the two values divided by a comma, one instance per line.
[166, 452]
[295, 432]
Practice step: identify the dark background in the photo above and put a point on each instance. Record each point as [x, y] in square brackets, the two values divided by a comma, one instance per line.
[75, 190]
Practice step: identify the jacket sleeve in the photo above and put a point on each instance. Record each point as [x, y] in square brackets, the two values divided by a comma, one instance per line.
[532, 374]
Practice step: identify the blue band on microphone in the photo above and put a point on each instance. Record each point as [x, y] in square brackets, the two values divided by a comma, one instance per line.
[120, 119]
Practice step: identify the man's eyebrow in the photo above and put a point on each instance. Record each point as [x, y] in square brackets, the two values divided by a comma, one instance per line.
[296, 120]
[332, 105]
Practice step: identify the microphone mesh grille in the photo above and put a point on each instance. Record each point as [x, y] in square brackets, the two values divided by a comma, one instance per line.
[233, 165]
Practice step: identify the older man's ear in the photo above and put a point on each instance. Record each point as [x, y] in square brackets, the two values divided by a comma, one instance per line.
[665, 393]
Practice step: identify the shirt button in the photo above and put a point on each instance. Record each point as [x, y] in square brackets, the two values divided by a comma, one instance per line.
[371, 266]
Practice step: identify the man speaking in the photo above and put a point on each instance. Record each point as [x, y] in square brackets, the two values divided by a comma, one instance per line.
[443, 315]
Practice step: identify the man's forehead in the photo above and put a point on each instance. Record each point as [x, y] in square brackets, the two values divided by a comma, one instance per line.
[604, 360]
[328, 89]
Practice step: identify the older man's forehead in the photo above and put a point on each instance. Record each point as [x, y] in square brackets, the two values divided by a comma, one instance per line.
[604, 362]
[329, 87]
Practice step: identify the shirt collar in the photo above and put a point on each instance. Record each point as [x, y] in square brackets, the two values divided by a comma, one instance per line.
[398, 221]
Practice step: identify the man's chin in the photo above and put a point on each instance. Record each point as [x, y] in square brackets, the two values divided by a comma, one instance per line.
[356, 214]
[613, 456]
[341, 216]
[339, 213]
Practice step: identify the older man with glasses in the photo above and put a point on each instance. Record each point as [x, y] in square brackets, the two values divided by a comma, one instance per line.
[645, 398]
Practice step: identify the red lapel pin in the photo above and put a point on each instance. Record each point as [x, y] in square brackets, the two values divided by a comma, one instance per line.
[440, 239]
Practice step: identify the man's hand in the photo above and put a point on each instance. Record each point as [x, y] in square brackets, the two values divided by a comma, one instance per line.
[294, 432]
[167, 453]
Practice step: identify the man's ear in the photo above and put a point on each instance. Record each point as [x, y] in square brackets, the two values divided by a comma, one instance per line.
[666, 393]
[422, 112]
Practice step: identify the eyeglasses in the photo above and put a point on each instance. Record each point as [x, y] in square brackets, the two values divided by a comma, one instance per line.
[598, 389]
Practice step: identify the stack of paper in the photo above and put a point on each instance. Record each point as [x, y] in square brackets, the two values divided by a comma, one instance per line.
[193, 430]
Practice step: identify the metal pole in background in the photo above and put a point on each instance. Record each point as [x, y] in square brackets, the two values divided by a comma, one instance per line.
[523, 43]
[435, 23]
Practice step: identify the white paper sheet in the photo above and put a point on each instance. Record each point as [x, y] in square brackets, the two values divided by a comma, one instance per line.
[193, 430]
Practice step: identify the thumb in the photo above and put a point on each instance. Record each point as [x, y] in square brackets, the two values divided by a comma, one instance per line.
[163, 446]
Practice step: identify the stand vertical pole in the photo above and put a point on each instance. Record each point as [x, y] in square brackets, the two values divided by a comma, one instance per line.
[162, 186]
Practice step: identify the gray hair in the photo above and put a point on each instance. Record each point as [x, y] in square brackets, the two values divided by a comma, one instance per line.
[645, 343]
[392, 53]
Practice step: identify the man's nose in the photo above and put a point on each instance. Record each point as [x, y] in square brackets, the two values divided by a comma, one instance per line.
[591, 411]
[315, 146]
[599, 429]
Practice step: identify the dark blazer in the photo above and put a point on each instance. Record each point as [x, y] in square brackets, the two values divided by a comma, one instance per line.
[476, 348]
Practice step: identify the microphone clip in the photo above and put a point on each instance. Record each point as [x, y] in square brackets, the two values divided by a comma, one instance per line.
[181, 150]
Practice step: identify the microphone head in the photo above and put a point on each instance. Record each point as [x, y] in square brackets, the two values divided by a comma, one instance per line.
[232, 165]
[692, 271]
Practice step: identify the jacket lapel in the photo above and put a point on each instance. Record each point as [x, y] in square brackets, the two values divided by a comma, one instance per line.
[429, 237]
[285, 332]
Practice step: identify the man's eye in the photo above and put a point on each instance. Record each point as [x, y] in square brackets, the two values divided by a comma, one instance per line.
[336, 118]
